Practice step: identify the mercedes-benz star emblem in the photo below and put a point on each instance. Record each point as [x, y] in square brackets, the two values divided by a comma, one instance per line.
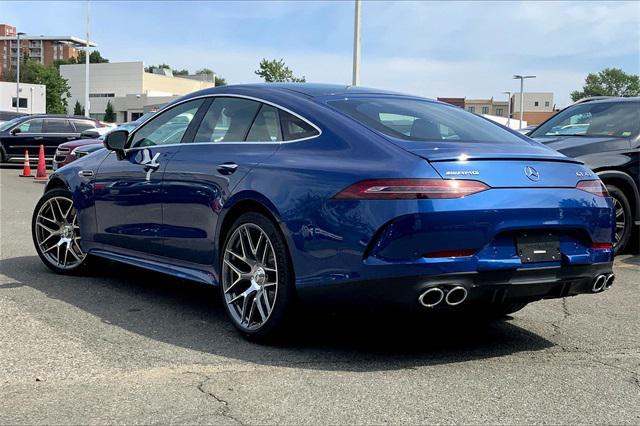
[532, 173]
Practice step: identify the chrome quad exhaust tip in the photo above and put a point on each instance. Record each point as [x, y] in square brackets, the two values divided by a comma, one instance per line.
[456, 296]
[599, 283]
[431, 297]
[609, 281]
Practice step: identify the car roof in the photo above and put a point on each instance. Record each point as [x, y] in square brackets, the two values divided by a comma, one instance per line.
[607, 99]
[311, 90]
[77, 117]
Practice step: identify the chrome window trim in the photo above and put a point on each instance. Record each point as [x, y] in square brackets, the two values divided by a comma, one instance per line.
[226, 95]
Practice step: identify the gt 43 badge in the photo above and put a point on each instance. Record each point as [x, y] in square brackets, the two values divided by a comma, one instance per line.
[584, 174]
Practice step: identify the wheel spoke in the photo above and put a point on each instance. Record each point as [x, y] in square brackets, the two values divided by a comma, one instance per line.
[46, 228]
[40, 216]
[256, 300]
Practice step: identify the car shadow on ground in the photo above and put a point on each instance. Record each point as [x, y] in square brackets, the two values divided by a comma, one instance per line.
[191, 316]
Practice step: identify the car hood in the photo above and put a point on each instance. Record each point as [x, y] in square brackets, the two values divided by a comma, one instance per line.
[560, 143]
[79, 142]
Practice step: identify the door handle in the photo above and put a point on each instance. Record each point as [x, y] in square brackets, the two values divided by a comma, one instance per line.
[227, 168]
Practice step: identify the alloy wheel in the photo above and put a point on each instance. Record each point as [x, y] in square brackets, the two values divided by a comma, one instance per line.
[621, 220]
[58, 234]
[250, 276]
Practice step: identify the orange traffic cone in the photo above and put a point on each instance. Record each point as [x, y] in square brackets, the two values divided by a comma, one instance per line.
[26, 169]
[41, 173]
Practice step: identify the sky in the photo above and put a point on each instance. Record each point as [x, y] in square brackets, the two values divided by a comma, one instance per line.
[447, 49]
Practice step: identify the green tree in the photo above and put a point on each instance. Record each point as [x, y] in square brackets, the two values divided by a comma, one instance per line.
[109, 115]
[57, 87]
[77, 108]
[151, 67]
[94, 58]
[180, 72]
[609, 82]
[276, 71]
[219, 80]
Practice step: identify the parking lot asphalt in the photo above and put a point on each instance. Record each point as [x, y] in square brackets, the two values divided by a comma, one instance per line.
[128, 346]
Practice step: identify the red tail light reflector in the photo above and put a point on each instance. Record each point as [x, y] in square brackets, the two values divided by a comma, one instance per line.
[602, 246]
[594, 187]
[395, 189]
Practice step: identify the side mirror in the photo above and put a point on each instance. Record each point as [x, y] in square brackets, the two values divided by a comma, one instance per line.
[15, 130]
[89, 134]
[116, 141]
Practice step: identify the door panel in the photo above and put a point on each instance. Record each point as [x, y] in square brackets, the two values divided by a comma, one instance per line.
[128, 199]
[195, 189]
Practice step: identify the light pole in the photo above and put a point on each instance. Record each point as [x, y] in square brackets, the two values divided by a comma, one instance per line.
[31, 100]
[87, 106]
[356, 45]
[521, 78]
[18, 74]
[508, 109]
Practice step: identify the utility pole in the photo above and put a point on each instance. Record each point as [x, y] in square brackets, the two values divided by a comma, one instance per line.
[87, 106]
[508, 109]
[356, 45]
[18, 74]
[521, 78]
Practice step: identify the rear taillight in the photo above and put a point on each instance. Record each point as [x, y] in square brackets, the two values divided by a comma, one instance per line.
[602, 246]
[593, 186]
[394, 189]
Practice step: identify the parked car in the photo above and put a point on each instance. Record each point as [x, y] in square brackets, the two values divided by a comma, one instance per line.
[29, 132]
[526, 130]
[281, 193]
[605, 134]
[67, 152]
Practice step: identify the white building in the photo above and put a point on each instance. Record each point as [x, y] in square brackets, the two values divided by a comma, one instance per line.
[33, 98]
[130, 89]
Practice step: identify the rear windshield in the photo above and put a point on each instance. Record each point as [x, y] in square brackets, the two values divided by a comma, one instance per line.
[417, 120]
[613, 119]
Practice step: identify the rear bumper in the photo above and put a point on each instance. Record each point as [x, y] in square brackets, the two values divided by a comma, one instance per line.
[522, 285]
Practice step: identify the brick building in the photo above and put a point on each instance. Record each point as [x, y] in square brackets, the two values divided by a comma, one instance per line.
[44, 49]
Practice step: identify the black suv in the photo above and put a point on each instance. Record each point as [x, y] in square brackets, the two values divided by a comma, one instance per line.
[605, 135]
[31, 131]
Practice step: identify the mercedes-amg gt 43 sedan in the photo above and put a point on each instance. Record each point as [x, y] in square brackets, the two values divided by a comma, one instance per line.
[278, 193]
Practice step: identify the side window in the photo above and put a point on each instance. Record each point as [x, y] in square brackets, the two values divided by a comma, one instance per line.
[31, 126]
[295, 128]
[227, 120]
[58, 125]
[266, 126]
[82, 125]
[169, 127]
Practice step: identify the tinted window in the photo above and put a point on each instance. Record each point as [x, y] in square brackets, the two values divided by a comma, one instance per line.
[417, 120]
[266, 126]
[168, 127]
[82, 125]
[620, 119]
[295, 128]
[227, 120]
[58, 125]
[31, 126]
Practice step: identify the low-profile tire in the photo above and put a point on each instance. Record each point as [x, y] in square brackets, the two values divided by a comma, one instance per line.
[256, 279]
[56, 233]
[624, 221]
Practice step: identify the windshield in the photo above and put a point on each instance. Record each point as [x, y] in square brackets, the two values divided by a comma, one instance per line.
[418, 120]
[9, 124]
[611, 119]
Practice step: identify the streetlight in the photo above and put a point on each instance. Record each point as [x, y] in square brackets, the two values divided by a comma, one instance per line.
[18, 75]
[521, 78]
[356, 45]
[508, 109]
[87, 106]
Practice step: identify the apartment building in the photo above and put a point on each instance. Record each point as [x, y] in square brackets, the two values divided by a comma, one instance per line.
[44, 49]
[487, 107]
[538, 106]
[130, 89]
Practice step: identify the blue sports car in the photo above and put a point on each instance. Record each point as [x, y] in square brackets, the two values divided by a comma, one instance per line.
[280, 193]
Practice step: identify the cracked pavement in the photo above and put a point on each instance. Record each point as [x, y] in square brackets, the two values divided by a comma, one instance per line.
[125, 346]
